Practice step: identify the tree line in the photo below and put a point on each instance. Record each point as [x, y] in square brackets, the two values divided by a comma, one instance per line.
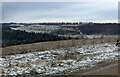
[16, 37]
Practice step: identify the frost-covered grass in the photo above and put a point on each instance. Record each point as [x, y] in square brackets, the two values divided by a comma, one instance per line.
[59, 61]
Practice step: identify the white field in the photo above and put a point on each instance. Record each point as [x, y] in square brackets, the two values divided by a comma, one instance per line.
[37, 28]
[59, 61]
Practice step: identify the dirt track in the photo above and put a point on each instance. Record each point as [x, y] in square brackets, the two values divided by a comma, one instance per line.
[108, 70]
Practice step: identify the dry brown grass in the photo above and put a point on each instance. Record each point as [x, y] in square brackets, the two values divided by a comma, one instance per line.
[34, 47]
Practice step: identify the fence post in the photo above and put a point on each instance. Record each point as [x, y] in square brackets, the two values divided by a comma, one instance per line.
[83, 41]
[93, 40]
[42, 46]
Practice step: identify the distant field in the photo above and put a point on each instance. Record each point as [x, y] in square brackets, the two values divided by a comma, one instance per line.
[15, 34]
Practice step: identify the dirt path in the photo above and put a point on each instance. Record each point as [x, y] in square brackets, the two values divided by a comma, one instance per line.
[108, 70]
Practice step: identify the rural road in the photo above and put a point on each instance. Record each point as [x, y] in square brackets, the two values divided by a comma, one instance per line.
[108, 70]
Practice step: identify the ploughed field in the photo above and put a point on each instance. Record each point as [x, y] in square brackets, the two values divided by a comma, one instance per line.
[59, 61]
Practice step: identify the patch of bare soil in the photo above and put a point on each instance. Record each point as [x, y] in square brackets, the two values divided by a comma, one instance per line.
[110, 68]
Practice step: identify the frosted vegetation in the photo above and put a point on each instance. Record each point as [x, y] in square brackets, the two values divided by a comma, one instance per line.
[59, 61]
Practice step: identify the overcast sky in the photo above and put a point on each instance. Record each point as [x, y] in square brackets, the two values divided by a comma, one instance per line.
[60, 11]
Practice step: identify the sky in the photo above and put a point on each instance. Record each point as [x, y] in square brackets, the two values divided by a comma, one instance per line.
[89, 11]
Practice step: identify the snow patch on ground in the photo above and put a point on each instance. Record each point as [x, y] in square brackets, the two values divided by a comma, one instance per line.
[58, 61]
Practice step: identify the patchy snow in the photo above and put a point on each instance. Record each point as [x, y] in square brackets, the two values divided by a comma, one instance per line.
[55, 61]
[37, 28]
